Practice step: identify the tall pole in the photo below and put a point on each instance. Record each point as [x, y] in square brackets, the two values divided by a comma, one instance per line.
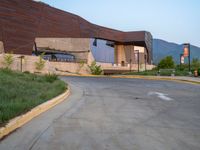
[181, 59]
[145, 61]
[189, 58]
[138, 61]
[130, 60]
[21, 63]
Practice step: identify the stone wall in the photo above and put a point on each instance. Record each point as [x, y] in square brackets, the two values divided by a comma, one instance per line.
[28, 64]
[62, 68]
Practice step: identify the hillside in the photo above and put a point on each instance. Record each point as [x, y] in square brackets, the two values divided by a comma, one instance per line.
[163, 48]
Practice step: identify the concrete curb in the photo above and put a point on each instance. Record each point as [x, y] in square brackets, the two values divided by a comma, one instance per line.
[25, 118]
[159, 78]
[140, 77]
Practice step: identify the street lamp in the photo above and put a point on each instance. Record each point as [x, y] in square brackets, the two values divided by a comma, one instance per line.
[21, 61]
[138, 59]
[186, 49]
[145, 61]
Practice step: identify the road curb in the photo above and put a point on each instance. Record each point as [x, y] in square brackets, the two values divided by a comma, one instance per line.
[140, 77]
[25, 118]
[159, 78]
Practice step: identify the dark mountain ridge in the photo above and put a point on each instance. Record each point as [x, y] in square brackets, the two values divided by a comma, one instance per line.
[163, 48]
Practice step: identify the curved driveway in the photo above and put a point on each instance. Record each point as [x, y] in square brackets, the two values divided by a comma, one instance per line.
[116, 114]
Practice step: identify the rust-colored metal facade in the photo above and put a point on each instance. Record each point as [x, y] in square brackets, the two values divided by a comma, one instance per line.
[21, 21]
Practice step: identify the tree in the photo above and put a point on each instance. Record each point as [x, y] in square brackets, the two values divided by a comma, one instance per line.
[195, 63]
[166, 63]
[95, 69]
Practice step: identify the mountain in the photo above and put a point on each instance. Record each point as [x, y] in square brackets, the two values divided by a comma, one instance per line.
[163, 48]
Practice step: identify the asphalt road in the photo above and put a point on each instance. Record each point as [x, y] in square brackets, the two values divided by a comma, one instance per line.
[116, 114]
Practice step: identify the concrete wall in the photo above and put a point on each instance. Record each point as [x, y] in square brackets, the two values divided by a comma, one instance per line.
[134, 67]
[79, 47]
[71, 68]
[28, 64]
[127, 54]
[64, 44]
[1, 47]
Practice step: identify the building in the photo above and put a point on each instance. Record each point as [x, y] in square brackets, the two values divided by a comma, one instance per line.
[28, 27]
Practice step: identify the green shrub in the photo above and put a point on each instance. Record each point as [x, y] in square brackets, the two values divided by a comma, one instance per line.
[95, 69]
[40, 64]
[166, 63]
[181, 73]
[51, 77]
[195, 63]
[199, 71]
[26, 72]
[166, 73]
[8, 60]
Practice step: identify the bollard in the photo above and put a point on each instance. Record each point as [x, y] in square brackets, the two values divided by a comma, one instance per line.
[195, 73]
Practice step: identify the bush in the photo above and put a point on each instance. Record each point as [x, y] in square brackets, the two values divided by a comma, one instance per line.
[199, 71]
[26, 72]
[166, 72]
[8, 60]
[95, 69]
[40, 64]
[182, 67]
[195, 63]
[181, 73]
[51, 77]
[166, 63]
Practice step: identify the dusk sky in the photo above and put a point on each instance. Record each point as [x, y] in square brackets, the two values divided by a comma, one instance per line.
[172, 20]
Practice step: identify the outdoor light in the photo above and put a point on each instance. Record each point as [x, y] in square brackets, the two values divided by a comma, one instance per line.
[21, 62]
[138, 59]
[186, 53]
[145, 61]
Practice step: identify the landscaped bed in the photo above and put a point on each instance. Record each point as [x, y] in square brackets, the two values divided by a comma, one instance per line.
[20, 92]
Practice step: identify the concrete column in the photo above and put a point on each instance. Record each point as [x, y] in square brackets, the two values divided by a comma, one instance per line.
[119, 54]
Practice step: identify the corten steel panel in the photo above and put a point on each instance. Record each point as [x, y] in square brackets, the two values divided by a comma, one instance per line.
[24, 20]
[20, 22]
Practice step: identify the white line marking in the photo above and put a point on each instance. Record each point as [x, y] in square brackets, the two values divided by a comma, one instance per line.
[162, 96]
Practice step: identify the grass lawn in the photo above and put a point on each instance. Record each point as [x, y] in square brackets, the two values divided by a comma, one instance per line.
[20, 92]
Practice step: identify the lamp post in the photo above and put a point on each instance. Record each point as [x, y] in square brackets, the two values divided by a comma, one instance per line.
[138, 59]
[21, 62]
[145, 61]
[130, 60]
[186, 48]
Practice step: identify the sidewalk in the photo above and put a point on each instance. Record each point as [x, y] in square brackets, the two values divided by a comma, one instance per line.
[195, 80]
